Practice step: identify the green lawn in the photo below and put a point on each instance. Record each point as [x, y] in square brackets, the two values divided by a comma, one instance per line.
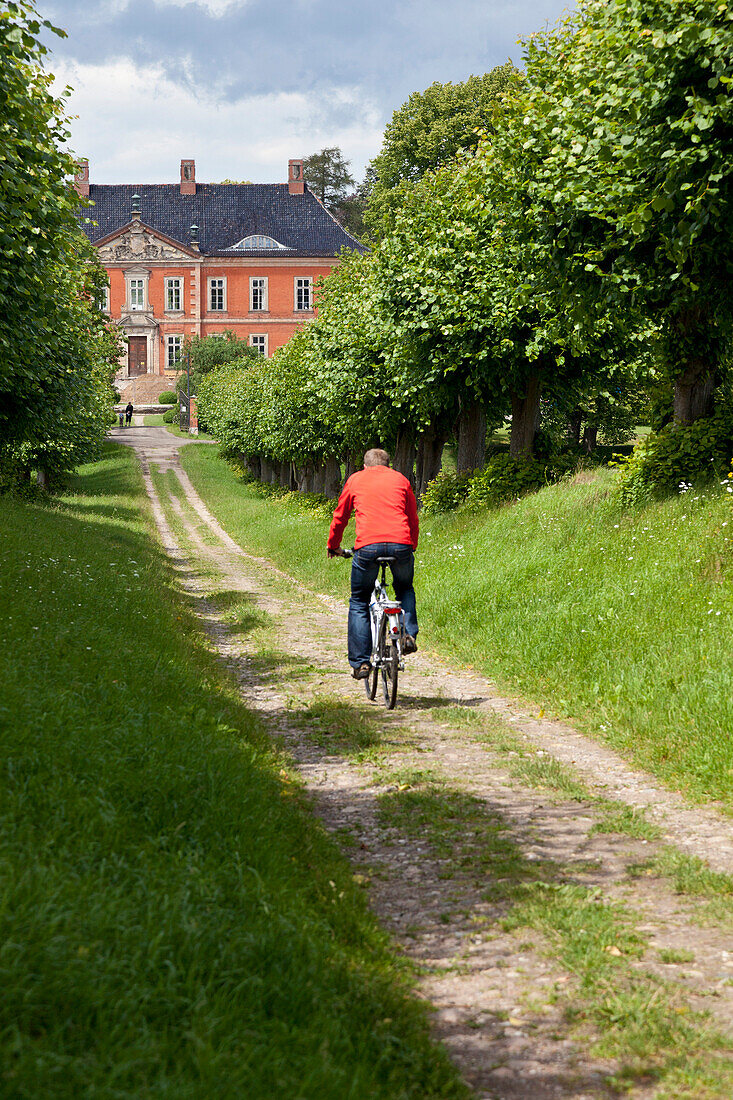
[174, 922]
[155, 420]
[621, 621]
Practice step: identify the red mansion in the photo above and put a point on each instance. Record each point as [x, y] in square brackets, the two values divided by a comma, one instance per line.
[198, 259]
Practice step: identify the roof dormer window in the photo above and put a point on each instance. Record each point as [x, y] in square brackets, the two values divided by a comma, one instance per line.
[258, 242]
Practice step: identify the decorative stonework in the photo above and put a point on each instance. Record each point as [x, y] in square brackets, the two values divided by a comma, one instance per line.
[140, 320]
[138, 243]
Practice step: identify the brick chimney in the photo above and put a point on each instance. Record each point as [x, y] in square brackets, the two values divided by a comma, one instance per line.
[81, 179]
[188, 177]
[296, 183]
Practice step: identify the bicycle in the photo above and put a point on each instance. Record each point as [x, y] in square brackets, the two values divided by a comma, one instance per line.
[388, 636]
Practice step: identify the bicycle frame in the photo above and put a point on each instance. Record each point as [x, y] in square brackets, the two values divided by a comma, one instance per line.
[380, 606]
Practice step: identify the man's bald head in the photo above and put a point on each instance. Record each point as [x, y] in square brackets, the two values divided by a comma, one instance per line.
[376, 457]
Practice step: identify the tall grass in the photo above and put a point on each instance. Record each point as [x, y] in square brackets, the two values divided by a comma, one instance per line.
[619, 620]
[173, 923]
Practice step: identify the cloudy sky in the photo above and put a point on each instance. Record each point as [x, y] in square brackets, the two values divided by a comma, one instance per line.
[243, 85]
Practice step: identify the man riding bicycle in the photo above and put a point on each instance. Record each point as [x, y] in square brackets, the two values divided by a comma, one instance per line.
[386, 525]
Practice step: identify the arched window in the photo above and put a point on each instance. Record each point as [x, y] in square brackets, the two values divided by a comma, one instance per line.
[259, 242]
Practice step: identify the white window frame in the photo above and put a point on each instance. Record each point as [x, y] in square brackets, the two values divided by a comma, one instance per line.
[137, 295]
[261, 345]
[104, 303]
[174, 288]
[173, 362]
[213, 285]
[301, 286]
[258, 285]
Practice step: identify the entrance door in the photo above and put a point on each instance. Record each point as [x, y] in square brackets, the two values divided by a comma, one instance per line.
[137, 355]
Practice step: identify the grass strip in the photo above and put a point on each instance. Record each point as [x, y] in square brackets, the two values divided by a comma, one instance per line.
[155, 420]
[172, 496]
[344, 729]
[619, 620]
[174, 921]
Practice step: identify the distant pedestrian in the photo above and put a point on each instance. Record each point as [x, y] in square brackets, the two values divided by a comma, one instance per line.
[121, 418]
[128, 414]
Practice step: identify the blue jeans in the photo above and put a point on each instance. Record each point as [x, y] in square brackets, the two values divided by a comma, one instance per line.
[364, 571]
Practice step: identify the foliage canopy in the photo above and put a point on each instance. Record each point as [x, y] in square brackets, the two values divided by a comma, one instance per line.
[327, 174]
[56, 355]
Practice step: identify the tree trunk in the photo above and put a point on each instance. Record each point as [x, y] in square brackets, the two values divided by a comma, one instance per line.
[284, 475]
[332, 487]
[42, 477]
[590, 438]
[305, 478]
[254, 466]
[429, 457]
[575, 423]
[265, 470]
[692, 349]
[471, 438]
[525, 419]
[693, 393]
[319, 477]
[404, 456]
[352, 464]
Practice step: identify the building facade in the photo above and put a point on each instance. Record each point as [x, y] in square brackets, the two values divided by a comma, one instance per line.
[192, 259]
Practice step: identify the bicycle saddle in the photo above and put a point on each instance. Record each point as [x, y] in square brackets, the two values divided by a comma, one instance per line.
[386, 560]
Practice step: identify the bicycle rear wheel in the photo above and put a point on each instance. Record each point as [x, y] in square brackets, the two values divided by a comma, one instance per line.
[370, 684]
[390, 673]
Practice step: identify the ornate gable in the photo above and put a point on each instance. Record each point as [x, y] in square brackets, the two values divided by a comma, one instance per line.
[139, 242]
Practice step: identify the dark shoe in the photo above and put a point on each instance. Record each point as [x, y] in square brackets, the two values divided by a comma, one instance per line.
[361, 672]
[410, 645]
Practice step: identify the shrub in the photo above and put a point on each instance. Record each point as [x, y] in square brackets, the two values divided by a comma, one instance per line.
[665, 459]
[503, 478]
[445, 493]
[169, 416]
[170, 397]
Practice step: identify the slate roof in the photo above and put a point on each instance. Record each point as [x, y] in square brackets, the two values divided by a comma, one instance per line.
[225, 214]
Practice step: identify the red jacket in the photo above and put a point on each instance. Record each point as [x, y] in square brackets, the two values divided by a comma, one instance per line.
[385, 509]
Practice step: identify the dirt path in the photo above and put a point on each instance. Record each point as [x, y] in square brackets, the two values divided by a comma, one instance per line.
[501, 995]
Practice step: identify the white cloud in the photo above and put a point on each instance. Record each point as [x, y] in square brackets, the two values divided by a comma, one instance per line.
[217, 8]
[135, 124]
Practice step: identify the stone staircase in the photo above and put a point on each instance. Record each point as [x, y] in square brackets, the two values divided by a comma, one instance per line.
[145, 389]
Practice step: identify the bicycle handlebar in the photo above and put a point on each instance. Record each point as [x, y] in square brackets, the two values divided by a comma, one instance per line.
[344, 553]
